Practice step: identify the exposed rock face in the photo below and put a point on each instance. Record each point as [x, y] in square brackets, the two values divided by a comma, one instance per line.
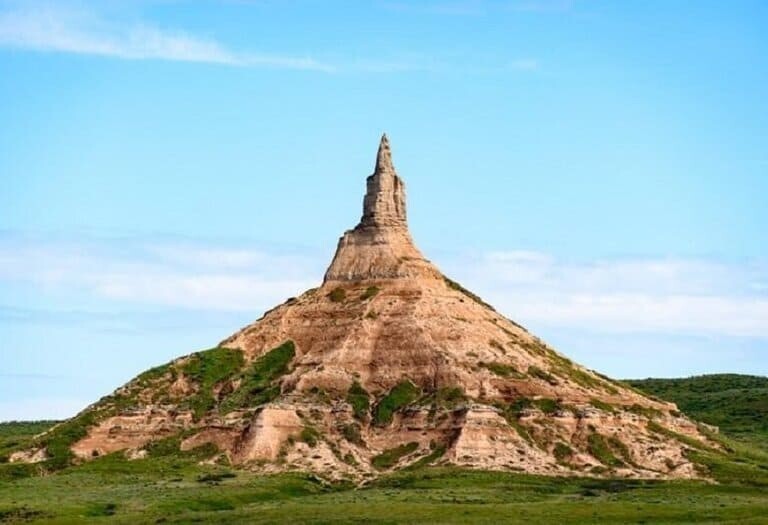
[380, 246]
[388, 363]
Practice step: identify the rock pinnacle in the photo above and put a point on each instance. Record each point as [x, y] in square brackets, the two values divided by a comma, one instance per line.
[384, 202]
[380, 246]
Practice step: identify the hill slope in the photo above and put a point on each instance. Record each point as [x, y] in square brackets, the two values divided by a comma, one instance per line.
[737, 404]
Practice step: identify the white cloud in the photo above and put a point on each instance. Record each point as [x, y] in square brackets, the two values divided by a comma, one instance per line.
[664, 296]
[176, 275]
[656, 296]
[54, 30]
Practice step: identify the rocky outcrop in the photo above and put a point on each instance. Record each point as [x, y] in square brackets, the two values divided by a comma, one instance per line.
[380, 246]
[386, 364]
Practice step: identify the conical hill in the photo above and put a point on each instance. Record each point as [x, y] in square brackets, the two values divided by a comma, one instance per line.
[387, 364]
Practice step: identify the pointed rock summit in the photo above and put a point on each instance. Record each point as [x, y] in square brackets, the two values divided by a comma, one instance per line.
[387, 364]
[384, 202]
[380, 246]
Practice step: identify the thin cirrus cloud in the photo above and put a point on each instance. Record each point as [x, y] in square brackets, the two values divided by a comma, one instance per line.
[53, 30]
[655, 296]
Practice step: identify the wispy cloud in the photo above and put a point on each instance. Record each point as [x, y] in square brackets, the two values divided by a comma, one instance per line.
[172, 275]
[663, 296]
[56, 30]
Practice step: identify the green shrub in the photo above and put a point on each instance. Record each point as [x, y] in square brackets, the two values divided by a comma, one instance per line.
[337, 295]
[562, 452]
[257, 382]
[369, 292]
[401, 395]
[310, 436]
[207, 369]
[449, 397]
[351, 433]
[101, 509]
[601, 451]
[547, 405]
[535, 371]
[602, 405]
[357, 397]
[501, 369]
[390, 457]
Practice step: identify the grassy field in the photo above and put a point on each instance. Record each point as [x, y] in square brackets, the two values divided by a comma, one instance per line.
[173, 488]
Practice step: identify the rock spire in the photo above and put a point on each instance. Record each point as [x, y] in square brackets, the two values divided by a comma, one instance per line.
[380, 246]
[384, 202]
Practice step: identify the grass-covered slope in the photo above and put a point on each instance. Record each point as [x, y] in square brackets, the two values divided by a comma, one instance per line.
[737, 404]
[173, 487]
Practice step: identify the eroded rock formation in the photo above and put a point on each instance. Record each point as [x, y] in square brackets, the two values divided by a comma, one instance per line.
[386, 364]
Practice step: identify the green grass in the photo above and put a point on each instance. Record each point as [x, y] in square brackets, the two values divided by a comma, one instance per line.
[207, 369]
[173, 487]
[15, 435]
[600, 448]
[390, 457]
[337, 295]
[737, 404]
[357, 397]
[258, 380]
[113, 490]
[403, 394]
[538, 373]
[503, 370]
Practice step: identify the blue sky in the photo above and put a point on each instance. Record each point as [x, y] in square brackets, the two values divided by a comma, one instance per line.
[170, 169]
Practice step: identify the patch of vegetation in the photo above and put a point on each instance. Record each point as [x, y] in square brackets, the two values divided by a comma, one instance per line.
[501, 369]
[620, 448]
[562, 452]
[369, 292]
[257, 384]
[653, 426]
[403, 394]
[447, 397]
[96, 510]
[17, 435]
[437, 451]
[59, 439]
[20, 514]
[567, 368]
[535, 371]
[640, 410]
[357, 397]
[547, 405]
[170, 447]
[598, 446]
[737, 404]
[602, 405]
[207, 369]
[390, 457]
[351, 432]
[215, 477]
[453, 285]
[337, 295]
[310, 436]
